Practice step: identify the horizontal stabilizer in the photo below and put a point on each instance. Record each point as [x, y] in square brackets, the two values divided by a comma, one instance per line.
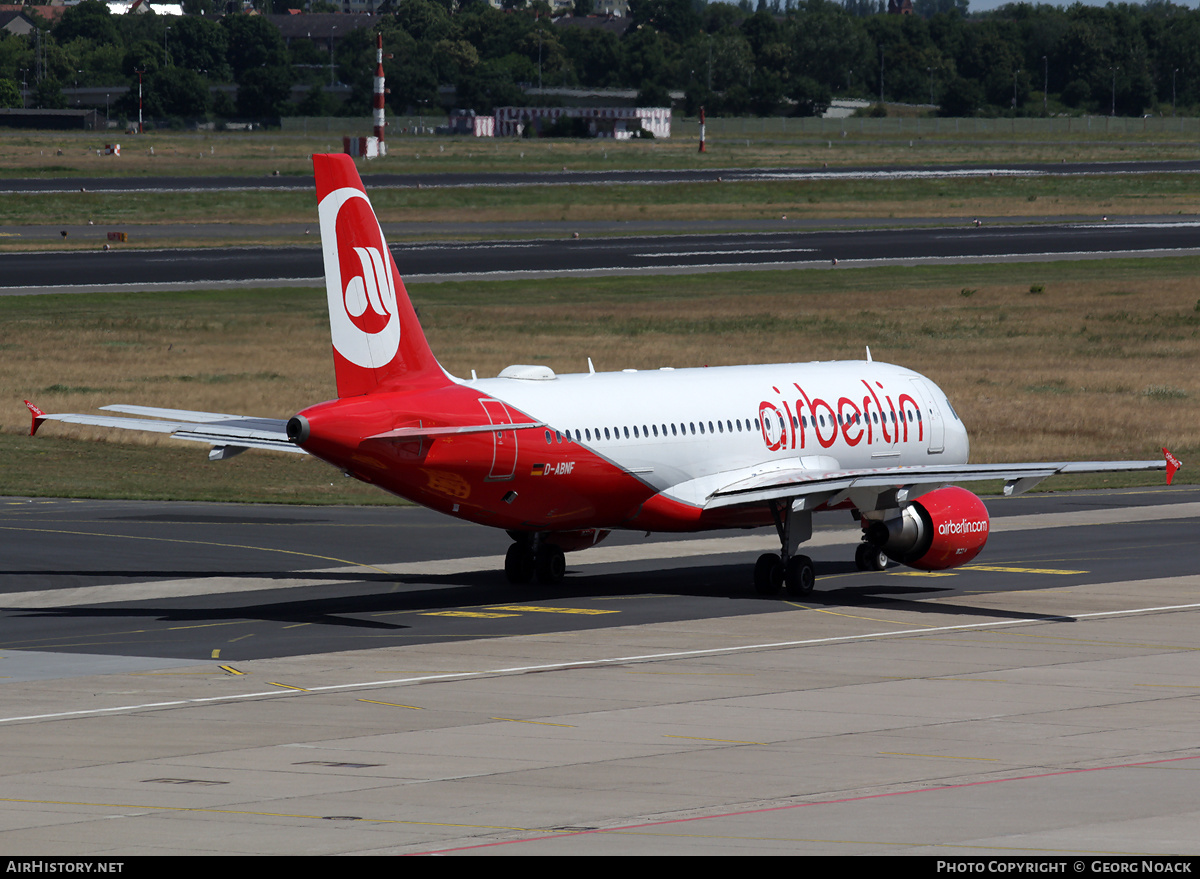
[230, 432]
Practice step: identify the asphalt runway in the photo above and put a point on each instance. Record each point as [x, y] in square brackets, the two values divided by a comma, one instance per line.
[261, 581]
[197, 678]
[147, 269]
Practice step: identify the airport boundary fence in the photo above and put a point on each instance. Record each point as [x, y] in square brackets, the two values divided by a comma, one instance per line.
[758, 126]
[895, 126]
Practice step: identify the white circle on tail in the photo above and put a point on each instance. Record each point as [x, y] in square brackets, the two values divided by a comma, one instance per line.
[358, 280]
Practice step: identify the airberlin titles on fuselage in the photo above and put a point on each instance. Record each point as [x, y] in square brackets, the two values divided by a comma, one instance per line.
[789, 428]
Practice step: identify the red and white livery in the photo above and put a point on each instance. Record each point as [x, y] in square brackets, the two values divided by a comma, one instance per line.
[560, 460]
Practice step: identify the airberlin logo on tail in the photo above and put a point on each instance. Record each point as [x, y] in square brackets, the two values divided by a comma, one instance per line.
[358, 280]
[365, 292]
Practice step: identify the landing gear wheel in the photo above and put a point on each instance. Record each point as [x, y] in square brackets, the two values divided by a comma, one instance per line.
[800, 576]
[768, 574]
[518, 564]
[551, 565]
[870, 558]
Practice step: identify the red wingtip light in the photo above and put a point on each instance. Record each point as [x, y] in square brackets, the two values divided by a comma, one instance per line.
[1173, 464]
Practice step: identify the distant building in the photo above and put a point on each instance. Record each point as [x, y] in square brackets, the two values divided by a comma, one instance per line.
[616, 8]
[618, 123]
[618, 23]
[325, 29]
[557, 7]
[900, 7]
[16, 23]
[87, 120]
[48, 13]
[358, 7]
[140, 7]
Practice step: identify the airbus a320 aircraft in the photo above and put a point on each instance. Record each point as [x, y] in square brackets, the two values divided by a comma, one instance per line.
[561, 460]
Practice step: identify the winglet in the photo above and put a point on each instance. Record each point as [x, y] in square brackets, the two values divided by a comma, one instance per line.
[1173, 464]
[38, 417]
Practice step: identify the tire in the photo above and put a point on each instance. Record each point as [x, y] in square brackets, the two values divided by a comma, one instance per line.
[768, 574]
[551, 565]
[870, 558]
[800, 577]
[518, 564]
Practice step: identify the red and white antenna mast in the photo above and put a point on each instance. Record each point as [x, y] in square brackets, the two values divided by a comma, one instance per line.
[379, 90]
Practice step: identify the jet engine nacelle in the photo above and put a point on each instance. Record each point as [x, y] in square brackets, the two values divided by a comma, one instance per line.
[942, 529]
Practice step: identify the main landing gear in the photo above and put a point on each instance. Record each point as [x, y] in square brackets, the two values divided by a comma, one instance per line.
[771, 574]
[531, 558]
[787, 570]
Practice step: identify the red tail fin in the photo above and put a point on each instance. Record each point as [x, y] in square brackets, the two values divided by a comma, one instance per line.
[377, 340]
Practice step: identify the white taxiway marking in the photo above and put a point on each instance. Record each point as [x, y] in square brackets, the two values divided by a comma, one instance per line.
[597, 663]
[715, 253]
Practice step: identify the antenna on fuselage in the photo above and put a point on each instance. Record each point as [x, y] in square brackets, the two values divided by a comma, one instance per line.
[591, 369]
[868, 354]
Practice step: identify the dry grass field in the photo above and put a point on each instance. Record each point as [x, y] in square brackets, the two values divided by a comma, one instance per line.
[1101, 363]
[749, 143]
[256, 212]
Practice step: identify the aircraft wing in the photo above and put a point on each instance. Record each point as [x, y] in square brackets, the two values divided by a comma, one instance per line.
[229, 435]
[834, 486]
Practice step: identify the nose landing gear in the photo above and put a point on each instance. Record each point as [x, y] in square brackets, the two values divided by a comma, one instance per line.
[869, 557]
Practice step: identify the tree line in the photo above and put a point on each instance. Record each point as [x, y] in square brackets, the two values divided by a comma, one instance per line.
[774, 58]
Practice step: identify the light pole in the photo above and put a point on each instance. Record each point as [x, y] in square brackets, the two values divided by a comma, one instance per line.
[709, 87]
[332, 31]
[1173, 72]
[1114, 70]
[881, 75]
[1015, 74]
[930, 69]
[1045, 83]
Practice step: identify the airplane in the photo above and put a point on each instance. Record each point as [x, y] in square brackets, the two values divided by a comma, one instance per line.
[560, 461]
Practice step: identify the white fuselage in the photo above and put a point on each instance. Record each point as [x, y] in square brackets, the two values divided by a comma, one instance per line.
[696, 427]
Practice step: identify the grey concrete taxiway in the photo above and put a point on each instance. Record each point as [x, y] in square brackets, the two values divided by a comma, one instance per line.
[1042, 700]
